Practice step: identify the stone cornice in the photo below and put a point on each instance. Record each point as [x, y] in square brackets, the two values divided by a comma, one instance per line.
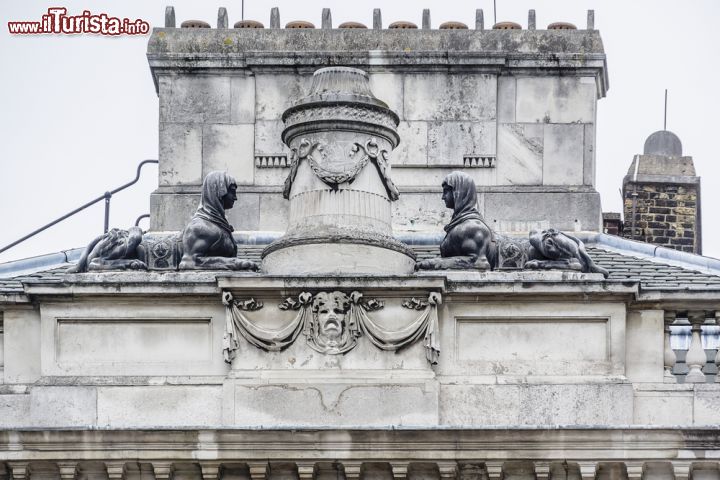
[526, 284]
[522, 51]
[621, 443]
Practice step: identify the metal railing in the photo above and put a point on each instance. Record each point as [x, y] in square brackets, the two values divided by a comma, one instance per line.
[105, 196]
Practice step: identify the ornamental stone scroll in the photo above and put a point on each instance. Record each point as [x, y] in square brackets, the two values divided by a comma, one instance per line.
[332, 322]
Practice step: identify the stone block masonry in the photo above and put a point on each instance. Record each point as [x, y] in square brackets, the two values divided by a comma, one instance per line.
[516, 109]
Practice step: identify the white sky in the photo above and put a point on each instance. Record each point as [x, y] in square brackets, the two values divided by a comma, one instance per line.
[78, 113]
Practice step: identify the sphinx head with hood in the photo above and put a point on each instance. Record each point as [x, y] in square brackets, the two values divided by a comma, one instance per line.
[207, 240]
[467, 239]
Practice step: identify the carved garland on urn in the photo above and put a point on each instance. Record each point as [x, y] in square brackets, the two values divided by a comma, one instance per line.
[316, 153]
[332, 323]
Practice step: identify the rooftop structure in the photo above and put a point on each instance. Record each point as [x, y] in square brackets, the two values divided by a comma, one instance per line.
[351, 327]
[515, 109]
[661, 193]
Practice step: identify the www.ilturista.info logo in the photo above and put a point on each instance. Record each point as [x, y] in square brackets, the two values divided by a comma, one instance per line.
[58, 21]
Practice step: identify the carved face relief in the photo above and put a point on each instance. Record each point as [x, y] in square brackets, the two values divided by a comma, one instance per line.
[230, 197]
[550, 247]
[331, 331]
[448, 196]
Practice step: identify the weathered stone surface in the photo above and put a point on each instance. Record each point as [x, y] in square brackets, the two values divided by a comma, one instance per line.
[644, 361]
[525, 341]
[14, 410]
[660, 404]
[160, 406]
[589, 155]
[330, 258]
[172, 211]
[580, 209]
[413, 148]
[520, 152]
[450, 97]
[80, 343]
[449, 141]
[229, 148]
[63, 406]
[180, 154]
[272, 177]
[242, 96]
[369, 46]
[199, 99]
[22, 355]
[268, 138]
[551, 99]
[418, 180]
[563, 155]
[421, 212]
[245, 215]
[476, 405]
[663, 165]
[513, 346]
[507, 93]
[706, 405]
[388, 87]
[370, 404]
[276, 92]
[104, 339]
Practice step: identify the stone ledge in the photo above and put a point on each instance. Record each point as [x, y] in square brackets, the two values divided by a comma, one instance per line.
[607, 442]
[283, 42]
[212, 283]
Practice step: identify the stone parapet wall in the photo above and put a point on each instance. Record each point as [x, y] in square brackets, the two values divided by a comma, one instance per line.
[537, 349]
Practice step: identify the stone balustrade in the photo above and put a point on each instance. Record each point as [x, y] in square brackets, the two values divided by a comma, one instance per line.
[326, 469]
[691, 353]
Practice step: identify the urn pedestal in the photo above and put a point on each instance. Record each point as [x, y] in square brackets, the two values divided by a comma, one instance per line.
[339, 186]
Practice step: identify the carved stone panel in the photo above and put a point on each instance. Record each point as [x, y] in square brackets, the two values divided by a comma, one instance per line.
[332, 322]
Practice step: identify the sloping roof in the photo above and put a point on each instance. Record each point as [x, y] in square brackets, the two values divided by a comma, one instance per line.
[14, 284]
[652, 273]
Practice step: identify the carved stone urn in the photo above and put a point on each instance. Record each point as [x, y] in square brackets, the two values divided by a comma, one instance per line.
[339, 186]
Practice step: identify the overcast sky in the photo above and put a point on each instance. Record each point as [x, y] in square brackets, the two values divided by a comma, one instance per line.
[78, 113]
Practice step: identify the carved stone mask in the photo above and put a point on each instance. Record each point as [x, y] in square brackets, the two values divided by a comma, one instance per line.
[330, 332]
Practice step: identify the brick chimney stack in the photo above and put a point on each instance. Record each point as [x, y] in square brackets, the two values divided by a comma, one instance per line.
[661, 195]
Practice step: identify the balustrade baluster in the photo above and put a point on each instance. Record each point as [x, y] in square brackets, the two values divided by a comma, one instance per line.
[670, 358]
[696, 357]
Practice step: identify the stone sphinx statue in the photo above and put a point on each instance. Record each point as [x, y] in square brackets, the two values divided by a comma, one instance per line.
[469, 244]
[553, 249]
[114, 250]
[468, 240]
[207, 241]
